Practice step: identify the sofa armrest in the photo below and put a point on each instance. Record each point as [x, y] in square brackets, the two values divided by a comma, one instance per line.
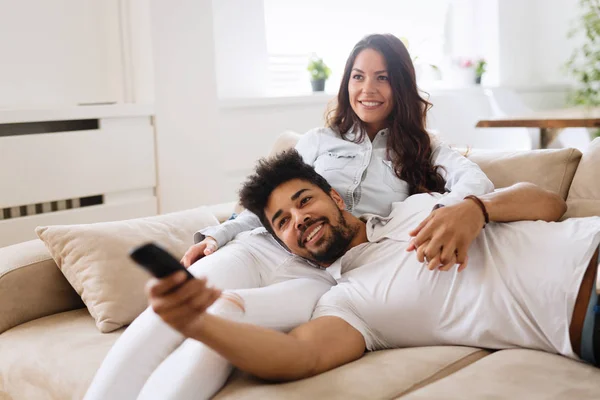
[31, 285]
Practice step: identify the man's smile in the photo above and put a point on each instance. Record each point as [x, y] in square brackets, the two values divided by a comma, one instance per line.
[312, 233]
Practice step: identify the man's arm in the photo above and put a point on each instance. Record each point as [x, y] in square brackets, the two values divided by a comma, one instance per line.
[524, 202]
[312, 348]
[444, 237]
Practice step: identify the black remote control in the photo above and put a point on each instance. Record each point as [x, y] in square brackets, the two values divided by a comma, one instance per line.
[157, 261]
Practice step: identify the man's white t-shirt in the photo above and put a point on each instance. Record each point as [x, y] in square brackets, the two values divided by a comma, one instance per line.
[518, 290]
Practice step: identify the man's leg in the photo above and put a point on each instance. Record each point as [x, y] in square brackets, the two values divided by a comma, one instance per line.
[148, 340]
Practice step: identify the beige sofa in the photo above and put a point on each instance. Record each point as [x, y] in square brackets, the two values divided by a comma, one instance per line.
[50, 347]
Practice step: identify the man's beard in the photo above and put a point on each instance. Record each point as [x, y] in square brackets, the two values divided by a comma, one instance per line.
[337, 243]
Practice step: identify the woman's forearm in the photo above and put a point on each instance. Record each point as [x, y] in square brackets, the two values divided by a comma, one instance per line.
[524, 201]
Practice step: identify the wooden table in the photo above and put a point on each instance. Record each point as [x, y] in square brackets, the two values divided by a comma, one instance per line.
[549, 122]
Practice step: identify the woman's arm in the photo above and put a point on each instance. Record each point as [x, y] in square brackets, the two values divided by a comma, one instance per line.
[310, 349]
[463, 177]
[226, 231]
[444, 237]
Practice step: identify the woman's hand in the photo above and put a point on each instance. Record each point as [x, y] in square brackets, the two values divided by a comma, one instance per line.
[197, 251]
[443, 238]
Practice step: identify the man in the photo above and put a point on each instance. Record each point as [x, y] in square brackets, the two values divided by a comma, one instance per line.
[521, 289]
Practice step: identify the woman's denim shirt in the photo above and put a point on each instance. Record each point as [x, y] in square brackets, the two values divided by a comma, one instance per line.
[364, 177]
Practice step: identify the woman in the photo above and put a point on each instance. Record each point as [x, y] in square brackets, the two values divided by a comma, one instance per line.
[375, 151]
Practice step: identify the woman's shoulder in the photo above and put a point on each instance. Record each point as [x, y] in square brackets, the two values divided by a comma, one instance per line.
[322, 131]
[434, 138]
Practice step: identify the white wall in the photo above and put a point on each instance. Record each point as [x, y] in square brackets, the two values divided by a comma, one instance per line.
[189, 146]
[241, 52]
[533, 40]
[59, 53]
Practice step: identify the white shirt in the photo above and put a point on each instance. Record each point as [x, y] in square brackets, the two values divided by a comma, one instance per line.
[518, 290]
[364, 177]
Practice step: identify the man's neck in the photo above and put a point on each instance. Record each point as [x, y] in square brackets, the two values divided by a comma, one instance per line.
[361, 234]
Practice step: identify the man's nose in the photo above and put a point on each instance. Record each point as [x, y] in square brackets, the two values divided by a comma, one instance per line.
[301, 219]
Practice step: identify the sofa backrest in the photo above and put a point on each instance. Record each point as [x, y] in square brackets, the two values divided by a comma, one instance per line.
[584, 194]
[551, 169]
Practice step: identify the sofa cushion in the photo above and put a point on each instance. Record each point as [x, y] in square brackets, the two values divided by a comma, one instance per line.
[53, 357]
[31, 286]
[517, 374]
[94, 259]
[584, 195]
[378, 375]
[549, 169]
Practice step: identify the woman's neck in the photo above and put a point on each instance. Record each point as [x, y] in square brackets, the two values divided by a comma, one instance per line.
[373, 130]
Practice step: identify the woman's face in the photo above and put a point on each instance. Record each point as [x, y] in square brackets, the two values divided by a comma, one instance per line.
[369, 89]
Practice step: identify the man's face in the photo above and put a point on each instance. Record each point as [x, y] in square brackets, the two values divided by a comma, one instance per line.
[309, 221]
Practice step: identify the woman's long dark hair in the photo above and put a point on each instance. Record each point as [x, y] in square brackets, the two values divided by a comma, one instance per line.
[408, 144]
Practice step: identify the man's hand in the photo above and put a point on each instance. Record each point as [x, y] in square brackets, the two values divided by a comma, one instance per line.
[197, 251]
[180, 303]
[444, 237]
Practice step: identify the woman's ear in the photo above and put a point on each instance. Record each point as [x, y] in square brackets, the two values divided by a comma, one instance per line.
[339, 201]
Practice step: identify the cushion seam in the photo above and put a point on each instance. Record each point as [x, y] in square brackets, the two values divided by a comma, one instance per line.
[19, 266]
[417, 385]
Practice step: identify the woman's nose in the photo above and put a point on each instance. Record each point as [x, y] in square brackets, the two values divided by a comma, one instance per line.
[368, 86]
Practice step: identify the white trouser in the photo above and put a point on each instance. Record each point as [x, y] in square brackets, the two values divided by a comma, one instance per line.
[153, 361]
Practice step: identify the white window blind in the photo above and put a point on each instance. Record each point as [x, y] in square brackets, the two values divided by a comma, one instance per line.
[330, 28]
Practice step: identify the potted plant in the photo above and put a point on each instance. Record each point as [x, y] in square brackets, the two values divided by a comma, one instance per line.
[480, 66]
[319, 73]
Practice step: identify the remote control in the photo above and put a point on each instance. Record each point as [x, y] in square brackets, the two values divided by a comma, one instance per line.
[157, 261]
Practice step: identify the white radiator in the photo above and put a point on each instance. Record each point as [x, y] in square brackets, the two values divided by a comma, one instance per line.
[78, 165]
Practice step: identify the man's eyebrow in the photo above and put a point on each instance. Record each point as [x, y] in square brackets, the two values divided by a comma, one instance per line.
[277, 214]
[294, 197]
[298, 193]
[376, 72]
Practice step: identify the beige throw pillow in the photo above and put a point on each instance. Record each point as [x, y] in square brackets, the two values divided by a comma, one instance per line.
[94, 259]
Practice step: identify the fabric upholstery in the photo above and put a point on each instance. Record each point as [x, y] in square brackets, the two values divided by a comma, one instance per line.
[549, 169]
[584, 195]
[52, 358]
[31, 286]
[94, 259]
[378, 375]
[517, 374]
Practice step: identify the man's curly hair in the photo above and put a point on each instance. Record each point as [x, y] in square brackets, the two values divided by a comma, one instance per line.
[272, 172]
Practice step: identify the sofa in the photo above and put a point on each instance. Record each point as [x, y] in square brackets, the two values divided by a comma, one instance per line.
[52, 339]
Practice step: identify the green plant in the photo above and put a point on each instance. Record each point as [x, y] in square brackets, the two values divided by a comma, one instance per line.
[318, 69]
[584, 63]
[480, 67]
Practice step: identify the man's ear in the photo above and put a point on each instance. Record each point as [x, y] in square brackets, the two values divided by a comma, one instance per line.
[339, 201]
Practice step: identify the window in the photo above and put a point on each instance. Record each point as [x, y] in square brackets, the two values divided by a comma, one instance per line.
[330, 28]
